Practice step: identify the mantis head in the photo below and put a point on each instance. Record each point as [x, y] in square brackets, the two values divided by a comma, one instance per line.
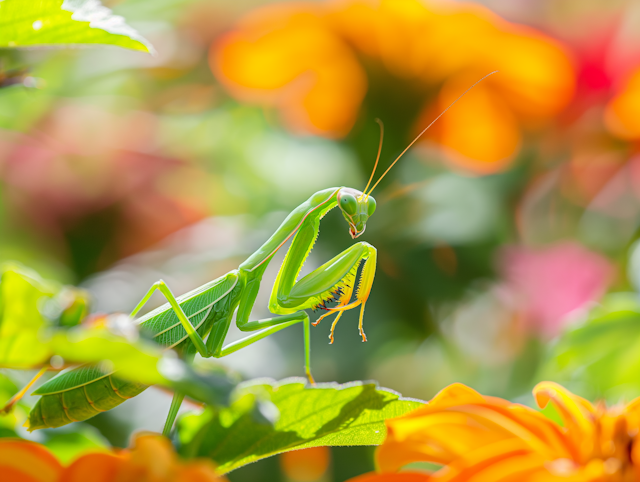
[356, 208]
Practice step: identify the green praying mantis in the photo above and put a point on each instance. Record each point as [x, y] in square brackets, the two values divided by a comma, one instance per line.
[185, 322]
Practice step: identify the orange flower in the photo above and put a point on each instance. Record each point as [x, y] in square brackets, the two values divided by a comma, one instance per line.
[152, 459]
[305, 465]
[22, 461]
[487, 439]
[314, 62]
[286, 56]
[622, 115]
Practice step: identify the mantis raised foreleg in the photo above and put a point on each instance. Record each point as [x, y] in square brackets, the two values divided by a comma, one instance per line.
[184, 322]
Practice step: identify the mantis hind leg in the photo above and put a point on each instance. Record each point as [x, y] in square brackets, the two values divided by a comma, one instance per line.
[194, 336]
[269, 326]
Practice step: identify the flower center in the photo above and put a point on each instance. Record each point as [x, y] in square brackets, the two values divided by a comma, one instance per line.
[613, 447]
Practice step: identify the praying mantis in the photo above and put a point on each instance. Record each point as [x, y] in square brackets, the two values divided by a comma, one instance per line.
[186, 321]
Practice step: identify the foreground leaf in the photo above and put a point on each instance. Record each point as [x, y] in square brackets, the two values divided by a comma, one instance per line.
[29, 23]
[24, 296]
[35, 315]
[326, 414]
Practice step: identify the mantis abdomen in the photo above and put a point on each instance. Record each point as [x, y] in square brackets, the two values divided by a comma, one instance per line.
[86, 391]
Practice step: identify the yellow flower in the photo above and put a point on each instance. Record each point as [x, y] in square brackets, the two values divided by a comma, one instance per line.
[152, 459]
[487, 439]
[314, 62]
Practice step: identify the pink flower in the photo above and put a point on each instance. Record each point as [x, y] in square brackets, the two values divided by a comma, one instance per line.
[552, 282]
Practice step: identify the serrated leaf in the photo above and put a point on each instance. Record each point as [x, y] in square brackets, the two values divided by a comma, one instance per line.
[29, 23]
[325, 414]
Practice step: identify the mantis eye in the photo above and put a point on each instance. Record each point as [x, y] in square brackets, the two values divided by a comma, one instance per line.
[348, 204]
[372, 206]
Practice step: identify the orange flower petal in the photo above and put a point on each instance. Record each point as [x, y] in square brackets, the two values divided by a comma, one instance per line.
[23, 461]
[450, 396]
[576, 412]
[199, 471]
[307, 464]
[622, 115]
[151, 456]
[392, 456]
[460, 426]
[94, 467]
[536, 85]
[287, 56]
[498, 463]
[401, 477]
[483, 135]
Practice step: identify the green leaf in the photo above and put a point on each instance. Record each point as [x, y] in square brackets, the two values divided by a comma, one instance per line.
[8, 421]
[29, 304]
[326, 414]
[134, 359]
[30, 23]
[23, 295]
[602, 354]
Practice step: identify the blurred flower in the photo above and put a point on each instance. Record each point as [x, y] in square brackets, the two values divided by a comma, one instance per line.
[305, 465]
[550, 283]
[595, 137]
[622, 114]
[152, 459]
[86, 172]
[22, 461]
[288, 55]
[315, 61]
[480, 438]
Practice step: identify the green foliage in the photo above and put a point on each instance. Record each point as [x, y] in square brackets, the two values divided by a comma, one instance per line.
[35, 313]
[23, 297]
[327, 414]
[7, 389]
[28, 23]
[601, 354]
[31, 312]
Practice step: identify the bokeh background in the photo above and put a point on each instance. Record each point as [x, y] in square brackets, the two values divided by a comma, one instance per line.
[514, 216]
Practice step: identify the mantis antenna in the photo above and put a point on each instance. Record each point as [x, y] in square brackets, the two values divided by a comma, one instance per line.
[423, 131]
[378, 156]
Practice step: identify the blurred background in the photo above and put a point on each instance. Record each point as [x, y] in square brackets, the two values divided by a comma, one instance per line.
[514, 216]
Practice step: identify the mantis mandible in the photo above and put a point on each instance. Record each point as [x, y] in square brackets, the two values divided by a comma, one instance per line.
[184, 322]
